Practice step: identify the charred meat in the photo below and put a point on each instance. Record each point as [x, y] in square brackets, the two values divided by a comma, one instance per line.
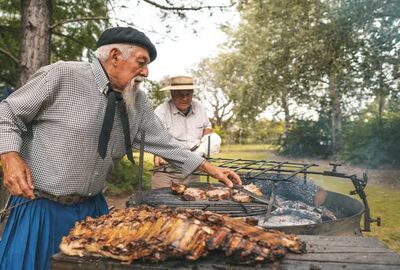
[214, 193]
[254, 189]
[156, 234]
[218, 194]
[188, 194]
[194, 194]
[241, 198]
[178, 188]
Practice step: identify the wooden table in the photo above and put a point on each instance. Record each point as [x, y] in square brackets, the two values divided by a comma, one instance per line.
[323, 252]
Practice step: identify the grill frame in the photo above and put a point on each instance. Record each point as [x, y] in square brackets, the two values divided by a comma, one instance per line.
[275, 171]
[288, 171]
[164, 196]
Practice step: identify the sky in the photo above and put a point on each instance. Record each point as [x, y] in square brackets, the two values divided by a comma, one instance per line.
[176, 57]
[181, 50]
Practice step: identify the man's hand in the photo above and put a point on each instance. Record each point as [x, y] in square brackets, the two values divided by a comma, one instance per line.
[159, 161]
[224, 175]
[17, 175]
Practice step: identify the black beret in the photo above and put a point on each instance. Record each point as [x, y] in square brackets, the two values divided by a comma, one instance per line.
[127, 35]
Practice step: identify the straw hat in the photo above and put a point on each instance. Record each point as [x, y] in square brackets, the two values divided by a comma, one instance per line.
[179, 83]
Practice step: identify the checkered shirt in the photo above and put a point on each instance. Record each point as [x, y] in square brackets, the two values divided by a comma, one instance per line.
[54, 122]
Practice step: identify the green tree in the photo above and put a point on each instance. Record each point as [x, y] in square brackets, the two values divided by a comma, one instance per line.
[37, 31]
[357, 57]
[207, 76]
[380, 61]
[266, 54]
[291, 53]
[154, 93]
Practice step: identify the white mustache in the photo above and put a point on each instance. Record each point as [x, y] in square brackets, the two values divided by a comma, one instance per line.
[139, 79]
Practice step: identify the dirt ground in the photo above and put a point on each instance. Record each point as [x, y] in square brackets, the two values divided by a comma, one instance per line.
[117, 201]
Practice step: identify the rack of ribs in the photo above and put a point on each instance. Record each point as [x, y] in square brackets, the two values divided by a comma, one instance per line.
[156, 234]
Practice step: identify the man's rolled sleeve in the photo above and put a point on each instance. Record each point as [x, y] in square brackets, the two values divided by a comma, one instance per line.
[10, 134]
[19, 109]
[195, 162]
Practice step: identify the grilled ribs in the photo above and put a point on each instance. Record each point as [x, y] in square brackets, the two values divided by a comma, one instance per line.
[218, 194]
[214, 193]
[194, 194]
[156, 234]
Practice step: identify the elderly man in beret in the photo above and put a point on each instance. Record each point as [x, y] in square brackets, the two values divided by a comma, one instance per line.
[61, 134]
[186, 120]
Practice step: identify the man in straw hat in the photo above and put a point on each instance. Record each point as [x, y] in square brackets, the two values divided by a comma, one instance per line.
[63, 132]
[186, 120]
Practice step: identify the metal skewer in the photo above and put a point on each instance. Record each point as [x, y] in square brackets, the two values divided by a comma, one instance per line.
[140, 171]
[7, 207]
[208, 156]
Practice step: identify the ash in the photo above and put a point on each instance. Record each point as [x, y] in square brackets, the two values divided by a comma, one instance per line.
[295, 201]
[291, 213]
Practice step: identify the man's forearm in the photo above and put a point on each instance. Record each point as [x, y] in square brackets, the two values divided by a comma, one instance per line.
[7, 155]
[206, 167]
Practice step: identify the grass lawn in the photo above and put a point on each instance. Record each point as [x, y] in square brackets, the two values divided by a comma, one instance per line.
[383, 201]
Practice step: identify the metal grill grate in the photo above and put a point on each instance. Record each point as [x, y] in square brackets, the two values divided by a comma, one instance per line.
[164, 196]
[264, 169]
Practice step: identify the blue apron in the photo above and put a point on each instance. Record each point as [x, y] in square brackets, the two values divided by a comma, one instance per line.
[34, 230]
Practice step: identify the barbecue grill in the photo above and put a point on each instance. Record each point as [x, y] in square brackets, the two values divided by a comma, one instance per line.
[323, 251]
[265, 173]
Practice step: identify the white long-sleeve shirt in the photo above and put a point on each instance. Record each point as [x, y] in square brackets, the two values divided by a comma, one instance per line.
[187, 129]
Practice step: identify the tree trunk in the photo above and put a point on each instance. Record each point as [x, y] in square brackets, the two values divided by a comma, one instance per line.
[335, 98]
[36, 34]
[217, 119]
[381, 96]
[381, 105]
[285, 107]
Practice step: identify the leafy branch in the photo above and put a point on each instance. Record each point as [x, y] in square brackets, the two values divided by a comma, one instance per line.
[70, 38]
[10, 55]
[78, 20]
[183, 8]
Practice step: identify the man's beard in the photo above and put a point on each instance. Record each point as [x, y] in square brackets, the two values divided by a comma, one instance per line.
[129, 92]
